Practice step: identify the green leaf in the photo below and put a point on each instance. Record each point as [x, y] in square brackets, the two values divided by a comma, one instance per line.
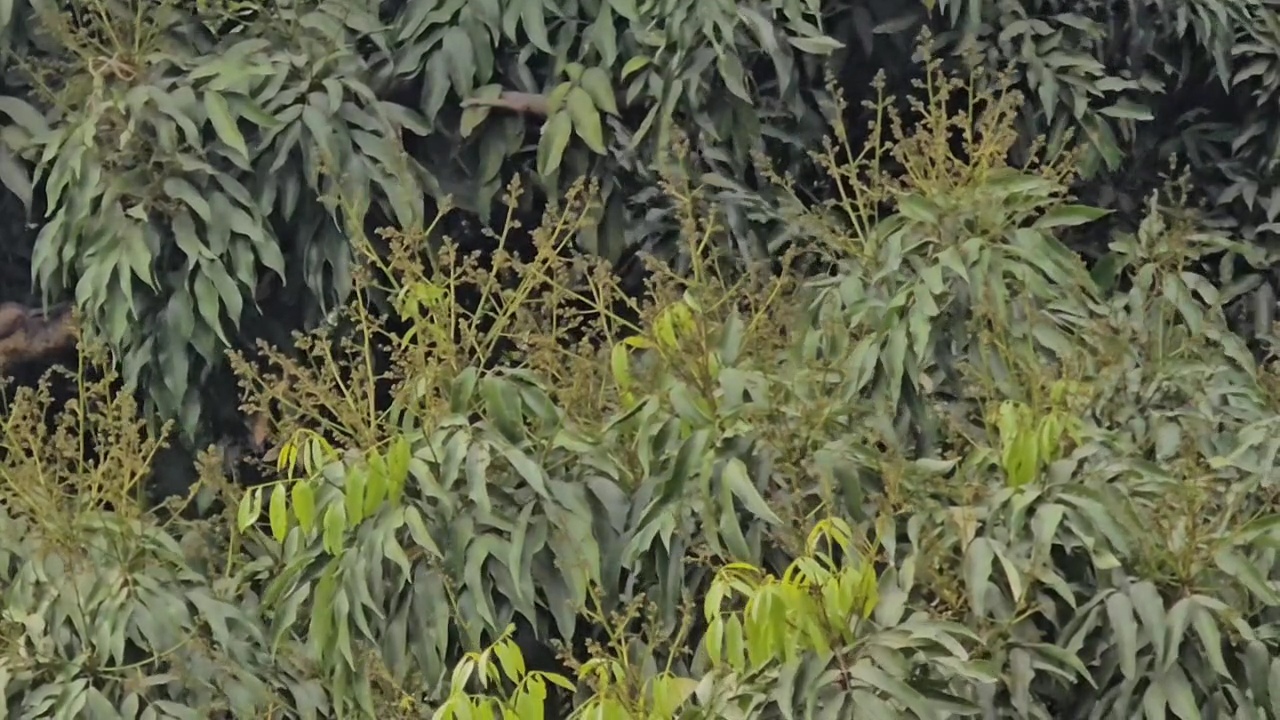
[229, 291]
[179, 189]
[456, 46]
[471, 119]
[135, 250]
[1062, 658]
[188, 238]
[603, 36]
[733, 76]
[1047, 89]
[1247, 573]
[461, 390]
[478, 551]
[1014, 578]
[24, 114]
[1154, 701]
[535, 24]
[391, 550]
[1258, 664]
[278, 512]
[377, 485]
[555, 138]
[689, 460]
[586, 119]
[669, 693]
[335, 528]
[304, 504]
[15, 176]
[595, 81]
[1273, 687]
[325, 616]
[418, 531]
[1178, 620]
[526, 467]
[871, 676]
[1068, 216]
[398, 458]
[353, 486]
[739, 482]
[977, 573]
[245, 107]
[620, 365]
[502, 400]
[626, 8]
[250, 509]
[817, 45]
[634, 64]
[225, 124]
[916, 208]
[515, 554]
[1128, 110]
[1210, 639]
[1150, 608]
[1124, 628]
[729, 530]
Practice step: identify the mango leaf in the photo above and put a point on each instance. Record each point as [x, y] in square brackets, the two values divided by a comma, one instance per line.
[1068, 216]
[586, 119]
[224, 123]
[555, 138]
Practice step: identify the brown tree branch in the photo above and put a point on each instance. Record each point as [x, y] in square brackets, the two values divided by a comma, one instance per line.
[514, 101]
[29, 334]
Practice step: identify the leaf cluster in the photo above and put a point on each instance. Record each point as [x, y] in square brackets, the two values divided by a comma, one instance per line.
[950, 476]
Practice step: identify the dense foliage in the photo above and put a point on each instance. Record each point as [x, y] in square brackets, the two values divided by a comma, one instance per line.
[756, 358]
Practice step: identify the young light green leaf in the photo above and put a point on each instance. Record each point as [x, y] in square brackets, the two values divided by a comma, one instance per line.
[335, 528]
[353, 486]
[377, 485]
[278, 513]
[620, 364]
[399, 455]
[304, 504]
[250, 509]
[634, 64]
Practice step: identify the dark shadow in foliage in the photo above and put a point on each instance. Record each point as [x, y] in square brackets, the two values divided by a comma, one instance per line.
[42, 345]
